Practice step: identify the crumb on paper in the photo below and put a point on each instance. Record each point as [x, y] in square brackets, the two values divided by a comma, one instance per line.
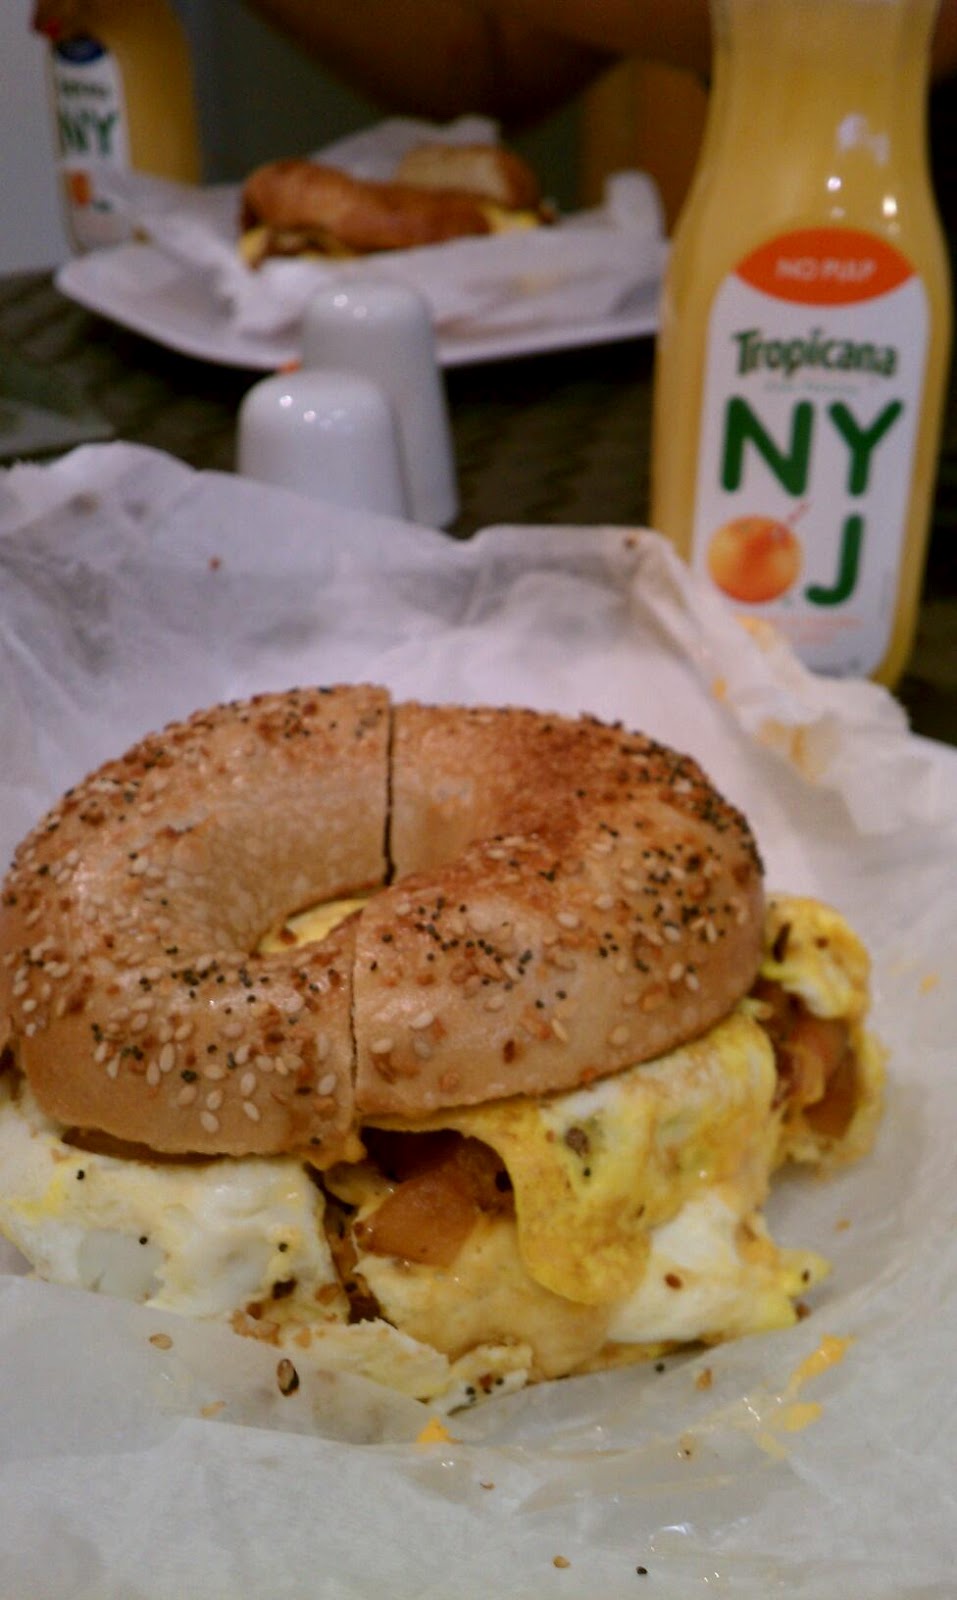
[842, 1224]
[485, 1485]
[719, 688]
[212, 1409]
[435, 1432]
[287, 1377]
[215, 562]
[929, 982]
[686, 1445]
[162, 1341]
[705, 1378]
[560, 1561]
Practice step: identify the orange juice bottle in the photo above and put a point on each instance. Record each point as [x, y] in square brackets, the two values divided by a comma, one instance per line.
[805, 331]
[123, 94]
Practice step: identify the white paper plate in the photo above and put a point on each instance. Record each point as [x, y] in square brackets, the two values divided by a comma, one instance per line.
[142, 289]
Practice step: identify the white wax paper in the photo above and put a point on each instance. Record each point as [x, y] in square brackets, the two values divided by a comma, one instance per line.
[587, 268]
[133, 590]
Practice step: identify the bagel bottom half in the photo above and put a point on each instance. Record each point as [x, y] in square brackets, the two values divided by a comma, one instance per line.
[484, 1247]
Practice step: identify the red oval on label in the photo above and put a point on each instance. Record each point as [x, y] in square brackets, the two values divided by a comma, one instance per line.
[825, 266]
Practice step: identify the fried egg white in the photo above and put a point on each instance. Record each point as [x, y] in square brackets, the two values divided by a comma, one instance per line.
[637, 1211]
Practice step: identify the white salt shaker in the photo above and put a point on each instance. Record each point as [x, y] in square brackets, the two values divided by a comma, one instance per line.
[383, 330]
[331, 435]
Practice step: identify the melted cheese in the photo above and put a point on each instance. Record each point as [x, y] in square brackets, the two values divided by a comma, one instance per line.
[593, 1171]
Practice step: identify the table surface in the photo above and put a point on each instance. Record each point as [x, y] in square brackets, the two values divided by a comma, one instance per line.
[557, 438]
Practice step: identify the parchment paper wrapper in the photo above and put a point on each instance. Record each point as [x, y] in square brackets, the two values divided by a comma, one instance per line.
[585, 269]
[133, 590]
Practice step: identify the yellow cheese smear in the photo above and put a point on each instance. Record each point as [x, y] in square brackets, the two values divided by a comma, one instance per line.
[311, 926]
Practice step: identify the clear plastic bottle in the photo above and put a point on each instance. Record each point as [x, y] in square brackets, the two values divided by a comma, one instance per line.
[122, 88]
[804, 346]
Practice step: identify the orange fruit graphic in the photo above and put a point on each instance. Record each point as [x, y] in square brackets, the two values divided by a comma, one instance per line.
[754, 559]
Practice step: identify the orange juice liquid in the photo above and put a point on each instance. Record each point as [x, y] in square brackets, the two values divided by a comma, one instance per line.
[805, 332]
[123, 92]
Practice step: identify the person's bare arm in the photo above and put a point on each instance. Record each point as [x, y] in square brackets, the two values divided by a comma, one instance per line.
[514, 59]
[438, 58]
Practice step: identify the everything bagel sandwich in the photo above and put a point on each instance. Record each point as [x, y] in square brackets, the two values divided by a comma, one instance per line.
[438, 192]
[454, 1047]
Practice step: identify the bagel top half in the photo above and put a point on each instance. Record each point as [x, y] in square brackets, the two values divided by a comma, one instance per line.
[551, 900]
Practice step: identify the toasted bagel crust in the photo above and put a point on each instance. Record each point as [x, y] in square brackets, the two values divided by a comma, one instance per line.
[571, 899]
[334, 211]
[568, 899]
[131, 916]
[488, 170]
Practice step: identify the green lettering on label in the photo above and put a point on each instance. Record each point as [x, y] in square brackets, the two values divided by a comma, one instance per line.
[861, 441]
[849, 560]
[87, 133]
[789, 465]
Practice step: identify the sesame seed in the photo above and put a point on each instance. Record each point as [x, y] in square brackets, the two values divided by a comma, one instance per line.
[323, 1046]
[618, 1036]
[264, 1063]
[251, 1111]
[186, 1095]
[568, 919]
[167, 1057]
[182, 1032]
[139, 1022]
[559, 1030]
[381, 1047]
[676, 971]
[671, 933]
[213, 1071]
[153, 1074]
[327, 1084]
[247, 1084]
[209, 1122]
[29, 1005]
[113, 1067]
[603, 902]
[424, 1019]
[422, 1048]
[214, 1099]
[495, 1001]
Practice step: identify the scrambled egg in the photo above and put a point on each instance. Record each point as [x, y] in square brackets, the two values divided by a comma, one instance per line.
[636, 1222]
